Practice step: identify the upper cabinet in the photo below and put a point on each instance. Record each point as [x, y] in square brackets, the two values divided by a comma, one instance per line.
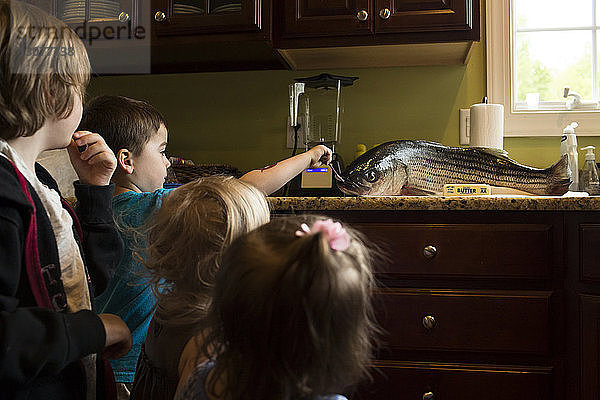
[368, 22]
[141, 36]
[362, 33]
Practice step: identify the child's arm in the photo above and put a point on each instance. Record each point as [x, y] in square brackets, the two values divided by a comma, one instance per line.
[272, 178]
[190, 357]
[102, 244]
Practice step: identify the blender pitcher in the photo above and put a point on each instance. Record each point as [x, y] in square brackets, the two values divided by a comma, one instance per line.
[316, 110]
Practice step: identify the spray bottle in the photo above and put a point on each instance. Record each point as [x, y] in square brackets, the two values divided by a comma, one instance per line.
[568, 145]
[589, 174]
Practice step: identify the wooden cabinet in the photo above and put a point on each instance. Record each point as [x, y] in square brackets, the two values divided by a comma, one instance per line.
[473, 305]
[368, 21]
[215, 35]
[218, 35]
[583, 305]
[590, 346]
[171, 35]
[359, 33]
[212, 35]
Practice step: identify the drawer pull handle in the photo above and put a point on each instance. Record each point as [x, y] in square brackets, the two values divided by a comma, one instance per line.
[429, 251]
[384, 13]
[429, 322]
[160, 16]
[428, 396]
[362, 15]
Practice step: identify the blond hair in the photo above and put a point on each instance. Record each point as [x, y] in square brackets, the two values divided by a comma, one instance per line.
[43, 66]
[187, 237]
[291, 318]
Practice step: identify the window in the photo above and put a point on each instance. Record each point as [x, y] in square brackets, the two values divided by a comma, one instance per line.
[538, 52]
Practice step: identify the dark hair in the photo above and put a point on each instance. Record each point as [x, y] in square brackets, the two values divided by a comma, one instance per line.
[291, 318]
[124, 123]
[36, 86]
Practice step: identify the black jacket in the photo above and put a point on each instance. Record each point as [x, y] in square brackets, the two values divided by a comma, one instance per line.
[40, 347]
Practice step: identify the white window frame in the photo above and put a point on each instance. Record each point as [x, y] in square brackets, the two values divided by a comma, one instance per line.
[522, 123]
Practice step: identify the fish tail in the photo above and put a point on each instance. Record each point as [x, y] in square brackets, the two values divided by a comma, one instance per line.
[559, 176]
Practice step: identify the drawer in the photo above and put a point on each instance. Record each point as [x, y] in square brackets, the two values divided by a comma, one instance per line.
[465, 250]
[589, 247]
[416, 381]
[497, 322]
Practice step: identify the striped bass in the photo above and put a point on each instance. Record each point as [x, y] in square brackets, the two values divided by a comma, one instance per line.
[419, 167]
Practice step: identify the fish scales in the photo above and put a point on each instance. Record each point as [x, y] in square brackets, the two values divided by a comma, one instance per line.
[425, 167]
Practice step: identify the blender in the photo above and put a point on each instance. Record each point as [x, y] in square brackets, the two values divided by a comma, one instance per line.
[316, 111]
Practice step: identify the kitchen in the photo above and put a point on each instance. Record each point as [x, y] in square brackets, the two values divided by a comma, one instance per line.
[523, 322]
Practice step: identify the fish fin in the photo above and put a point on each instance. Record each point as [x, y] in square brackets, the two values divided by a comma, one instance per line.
[559, 176]
[493, 151]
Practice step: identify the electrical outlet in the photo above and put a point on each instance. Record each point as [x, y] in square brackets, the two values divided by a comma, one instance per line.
[465, 125]
[290, 136]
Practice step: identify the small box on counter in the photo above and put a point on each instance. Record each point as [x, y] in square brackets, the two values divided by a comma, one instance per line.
[470, 189]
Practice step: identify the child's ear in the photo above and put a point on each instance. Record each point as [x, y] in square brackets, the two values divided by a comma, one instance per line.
[125, 160]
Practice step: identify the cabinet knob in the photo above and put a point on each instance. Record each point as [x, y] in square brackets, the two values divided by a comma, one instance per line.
[428, 396]
[160, 16]
[429, 251]
[123, 16]
[385, 13]
[429, 322]
[362, 15]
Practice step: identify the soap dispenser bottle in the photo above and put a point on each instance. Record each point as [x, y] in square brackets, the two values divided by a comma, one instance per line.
[589, 173]
[568, 145]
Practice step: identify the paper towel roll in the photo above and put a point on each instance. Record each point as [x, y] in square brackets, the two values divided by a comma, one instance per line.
[487, 125]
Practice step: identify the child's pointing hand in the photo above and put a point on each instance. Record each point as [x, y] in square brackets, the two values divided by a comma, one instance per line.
[92, 159]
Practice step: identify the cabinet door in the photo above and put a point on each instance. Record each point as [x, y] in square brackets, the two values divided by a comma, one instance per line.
[327, 17]
[425, 16]
[100, 13]
[116, 33]
[590, 346]
[182, 17]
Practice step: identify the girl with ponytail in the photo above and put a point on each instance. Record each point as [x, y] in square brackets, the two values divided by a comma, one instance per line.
[291, 315]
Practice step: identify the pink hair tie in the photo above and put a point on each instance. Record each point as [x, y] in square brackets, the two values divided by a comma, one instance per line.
[336, 236]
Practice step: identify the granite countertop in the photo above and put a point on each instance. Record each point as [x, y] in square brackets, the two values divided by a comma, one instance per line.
[499, 203]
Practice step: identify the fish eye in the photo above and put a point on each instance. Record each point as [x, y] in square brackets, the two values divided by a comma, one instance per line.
[371, 176]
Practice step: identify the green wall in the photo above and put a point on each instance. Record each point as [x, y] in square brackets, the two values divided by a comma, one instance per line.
[239, 118]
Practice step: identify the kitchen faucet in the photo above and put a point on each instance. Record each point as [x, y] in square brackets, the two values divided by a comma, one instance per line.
[577, 101]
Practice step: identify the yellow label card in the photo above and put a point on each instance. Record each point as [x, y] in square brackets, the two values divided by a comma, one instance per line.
[470, 189]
